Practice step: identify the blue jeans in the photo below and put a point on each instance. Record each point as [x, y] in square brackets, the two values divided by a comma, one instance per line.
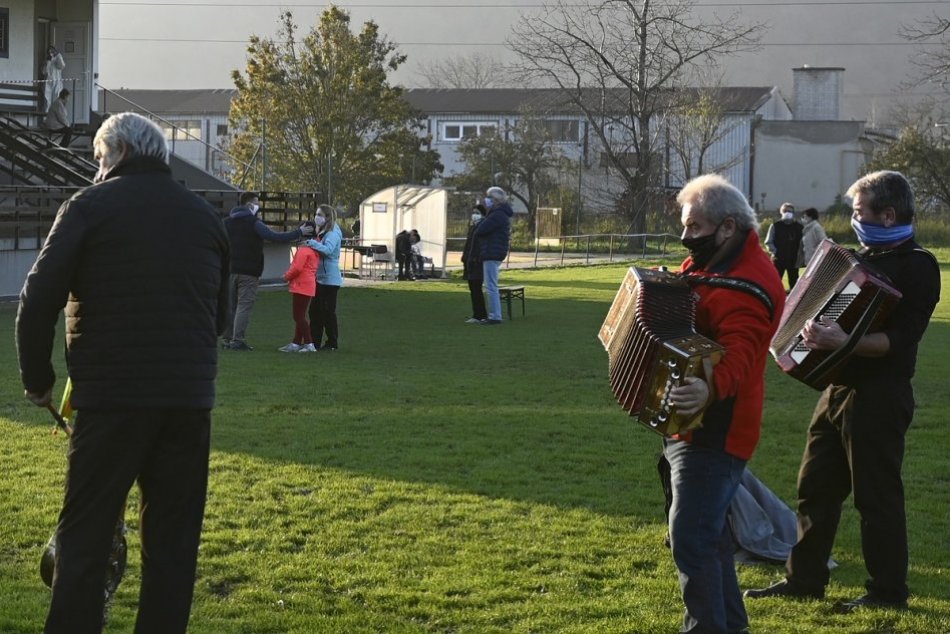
[490, 271]
[704, 483]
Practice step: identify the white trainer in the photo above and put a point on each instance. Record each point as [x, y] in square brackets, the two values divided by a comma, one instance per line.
[291, 347]
[307, 348]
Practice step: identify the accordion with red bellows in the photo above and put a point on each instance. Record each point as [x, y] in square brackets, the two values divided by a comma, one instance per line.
[652, 346]
[837, 286]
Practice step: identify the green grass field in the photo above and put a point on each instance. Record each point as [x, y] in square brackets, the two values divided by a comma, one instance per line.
[433, 476]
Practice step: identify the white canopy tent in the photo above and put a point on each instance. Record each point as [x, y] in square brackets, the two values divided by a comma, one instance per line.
[406, 207]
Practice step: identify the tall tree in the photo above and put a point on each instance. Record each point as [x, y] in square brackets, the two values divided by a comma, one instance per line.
[518, 159]
[693, 129]
[619, 61]
[320, 113]
[472, 70]
[933, 59]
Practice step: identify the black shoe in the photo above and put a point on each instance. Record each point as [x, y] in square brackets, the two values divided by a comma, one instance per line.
[327, 347]
[490, 322]
[869, 601]
[784, 588]
[225, 343]
[239, 345]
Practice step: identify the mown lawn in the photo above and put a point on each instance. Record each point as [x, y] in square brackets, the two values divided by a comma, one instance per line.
[433, 476]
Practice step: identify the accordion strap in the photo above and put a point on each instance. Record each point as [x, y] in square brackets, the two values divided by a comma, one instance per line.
[737, 284]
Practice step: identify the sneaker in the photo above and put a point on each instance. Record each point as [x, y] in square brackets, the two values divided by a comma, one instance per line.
[869, 601]
[290, 347]
[490, 322]
[473, 320]
[239, 345]
[225, 343]
[784, 589]
[306, 348]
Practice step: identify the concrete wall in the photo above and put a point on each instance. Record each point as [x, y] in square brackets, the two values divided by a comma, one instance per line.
[19, 66]
[806, 162]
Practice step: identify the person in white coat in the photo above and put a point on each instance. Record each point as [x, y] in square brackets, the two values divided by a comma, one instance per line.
[54, 75]
[812, 233]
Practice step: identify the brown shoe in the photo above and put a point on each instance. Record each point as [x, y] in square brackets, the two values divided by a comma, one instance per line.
[784, 588]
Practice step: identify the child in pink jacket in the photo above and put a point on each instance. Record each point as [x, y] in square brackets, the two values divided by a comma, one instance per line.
[302, 276]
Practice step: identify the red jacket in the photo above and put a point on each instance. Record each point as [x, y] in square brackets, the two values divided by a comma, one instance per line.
[302, 273]
[740, 323]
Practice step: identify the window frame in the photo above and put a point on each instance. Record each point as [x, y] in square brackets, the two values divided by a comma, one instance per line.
[4, 32]
[480, 129]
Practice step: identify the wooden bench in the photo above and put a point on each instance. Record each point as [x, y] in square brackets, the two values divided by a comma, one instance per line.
[507, 293]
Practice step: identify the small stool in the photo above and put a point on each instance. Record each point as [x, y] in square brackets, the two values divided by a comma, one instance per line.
[507, 293]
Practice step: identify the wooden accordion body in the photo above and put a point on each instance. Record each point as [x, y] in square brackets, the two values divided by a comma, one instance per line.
[652, 346]
[839, 287]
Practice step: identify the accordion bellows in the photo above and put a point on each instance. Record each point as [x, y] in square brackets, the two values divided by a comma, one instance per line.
[652, 345]
[836, 286]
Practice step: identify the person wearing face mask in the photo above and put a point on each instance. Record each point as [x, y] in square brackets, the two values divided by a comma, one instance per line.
[327, 243]
[248, 233]
[855, 442]
[740, 301]
[472, 267]
[494, 235]
[812, 234]
[784, 242]
[139, 266]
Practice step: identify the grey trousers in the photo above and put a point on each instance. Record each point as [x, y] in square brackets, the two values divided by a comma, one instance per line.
[243, 294]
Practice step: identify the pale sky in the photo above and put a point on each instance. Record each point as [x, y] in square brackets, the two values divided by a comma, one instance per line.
[197, 43]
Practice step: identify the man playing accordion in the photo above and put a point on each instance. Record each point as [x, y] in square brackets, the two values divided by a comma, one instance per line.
[856, 436]
[707, 462]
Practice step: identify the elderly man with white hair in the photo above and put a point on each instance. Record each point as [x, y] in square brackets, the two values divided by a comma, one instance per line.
[740, 301]
[494, 234]
[141, 266]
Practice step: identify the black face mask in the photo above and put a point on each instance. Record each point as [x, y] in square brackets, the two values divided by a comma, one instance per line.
[702, 249]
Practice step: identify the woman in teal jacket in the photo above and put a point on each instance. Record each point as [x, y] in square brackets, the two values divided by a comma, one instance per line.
[329, 278]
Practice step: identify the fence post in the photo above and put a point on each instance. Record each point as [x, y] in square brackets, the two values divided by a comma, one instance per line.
[588, 248]
[610, 251]
[563, 243]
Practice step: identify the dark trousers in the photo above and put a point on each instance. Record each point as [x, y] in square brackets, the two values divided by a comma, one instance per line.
[167, 452]
[67, 133]
[405, 265]
[301, 305]
[478, 299]
[791, 269]
[856, 439]
[323, 315]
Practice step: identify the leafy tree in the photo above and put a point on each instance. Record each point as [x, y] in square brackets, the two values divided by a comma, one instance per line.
[320, 114]
[618, 61]
[518, 159]
[922, 153]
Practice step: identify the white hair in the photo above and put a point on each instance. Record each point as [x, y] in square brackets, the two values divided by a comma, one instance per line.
[497, 193]
[132, 132]
[718, 199]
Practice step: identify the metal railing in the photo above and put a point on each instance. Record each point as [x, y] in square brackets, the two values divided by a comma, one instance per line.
[176, 129]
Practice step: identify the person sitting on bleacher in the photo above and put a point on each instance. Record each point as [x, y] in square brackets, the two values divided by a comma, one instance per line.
[57, 120]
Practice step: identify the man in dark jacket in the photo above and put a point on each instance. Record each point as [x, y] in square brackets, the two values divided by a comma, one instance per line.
[784, 242]
[248, 233]
[494, 234]
[404, 255]
[141, 265]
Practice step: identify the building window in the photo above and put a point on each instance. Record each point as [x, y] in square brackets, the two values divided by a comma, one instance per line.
[181, 130]
[562, 130]
[4, 32]
[458, 130]
[222, 129]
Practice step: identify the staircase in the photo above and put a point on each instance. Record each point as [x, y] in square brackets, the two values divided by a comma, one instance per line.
[29, 157]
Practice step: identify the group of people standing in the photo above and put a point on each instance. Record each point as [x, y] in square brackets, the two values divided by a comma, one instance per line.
[486, 247]
[792, 242]
[855, 441]
[314, 275]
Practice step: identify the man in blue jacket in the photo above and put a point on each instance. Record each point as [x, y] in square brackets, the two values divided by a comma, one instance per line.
[494, 234]
[248, 233]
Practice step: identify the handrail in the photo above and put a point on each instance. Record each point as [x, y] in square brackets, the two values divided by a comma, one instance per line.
[230, 157]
